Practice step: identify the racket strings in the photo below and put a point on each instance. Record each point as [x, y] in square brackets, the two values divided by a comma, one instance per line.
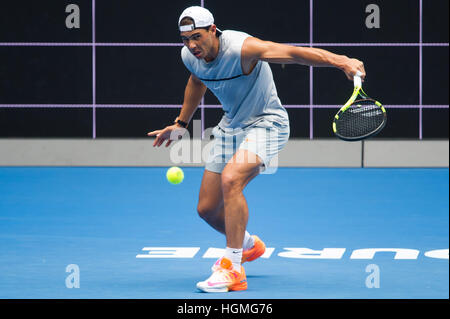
[361, 118]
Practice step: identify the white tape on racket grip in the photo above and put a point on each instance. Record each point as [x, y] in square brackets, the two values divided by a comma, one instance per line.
[357, 80]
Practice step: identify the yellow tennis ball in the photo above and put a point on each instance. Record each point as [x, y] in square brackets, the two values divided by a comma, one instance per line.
[175, 175]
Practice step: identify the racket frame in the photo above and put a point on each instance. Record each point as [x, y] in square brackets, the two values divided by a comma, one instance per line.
[358, 92]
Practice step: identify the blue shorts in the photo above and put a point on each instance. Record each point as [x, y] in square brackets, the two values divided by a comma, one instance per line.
[265, 139]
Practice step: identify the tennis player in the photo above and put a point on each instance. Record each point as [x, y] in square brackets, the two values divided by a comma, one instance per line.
[252, 131]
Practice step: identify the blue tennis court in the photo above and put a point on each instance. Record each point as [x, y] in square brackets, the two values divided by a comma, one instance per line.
[107, 221]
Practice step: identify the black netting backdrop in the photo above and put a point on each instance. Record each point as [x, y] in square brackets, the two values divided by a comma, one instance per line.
[119, 73]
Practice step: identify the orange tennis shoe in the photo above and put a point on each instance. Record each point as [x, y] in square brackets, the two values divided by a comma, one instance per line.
[251, 254]
[256, 251]
[224, 279]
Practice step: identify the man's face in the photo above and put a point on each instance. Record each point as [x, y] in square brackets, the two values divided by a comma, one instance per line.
[199, 42]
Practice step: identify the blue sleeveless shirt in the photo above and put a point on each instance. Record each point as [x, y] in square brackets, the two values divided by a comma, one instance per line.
[247, 100]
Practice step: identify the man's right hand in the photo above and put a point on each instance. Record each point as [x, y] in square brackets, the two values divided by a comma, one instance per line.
[169, 133]
[351, 68]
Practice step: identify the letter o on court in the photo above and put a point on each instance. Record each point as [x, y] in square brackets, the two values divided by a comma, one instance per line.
[439, 253]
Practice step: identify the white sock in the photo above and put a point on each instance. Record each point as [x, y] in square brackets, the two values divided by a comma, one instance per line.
[235, 256]
[248, 241]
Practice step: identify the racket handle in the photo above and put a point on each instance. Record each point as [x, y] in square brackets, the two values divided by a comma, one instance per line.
[357, 80]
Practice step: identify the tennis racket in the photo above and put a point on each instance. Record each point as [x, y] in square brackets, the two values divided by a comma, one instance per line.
[361, 117]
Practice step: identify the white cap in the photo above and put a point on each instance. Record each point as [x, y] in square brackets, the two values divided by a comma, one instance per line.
[202, 18]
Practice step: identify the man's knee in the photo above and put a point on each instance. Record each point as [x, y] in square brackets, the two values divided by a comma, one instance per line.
[230, 181]
[234, 181]
[206, 210]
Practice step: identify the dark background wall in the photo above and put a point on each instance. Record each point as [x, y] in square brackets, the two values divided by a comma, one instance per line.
[55, 83]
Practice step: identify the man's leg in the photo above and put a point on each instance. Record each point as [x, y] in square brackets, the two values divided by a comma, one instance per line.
[211, 207]
[239, 171]
[210, 202]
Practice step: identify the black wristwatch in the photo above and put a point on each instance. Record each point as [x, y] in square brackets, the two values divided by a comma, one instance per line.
[183, 124]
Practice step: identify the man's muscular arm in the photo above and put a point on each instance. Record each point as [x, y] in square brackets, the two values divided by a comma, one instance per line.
[195, 90]
[255, 49]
